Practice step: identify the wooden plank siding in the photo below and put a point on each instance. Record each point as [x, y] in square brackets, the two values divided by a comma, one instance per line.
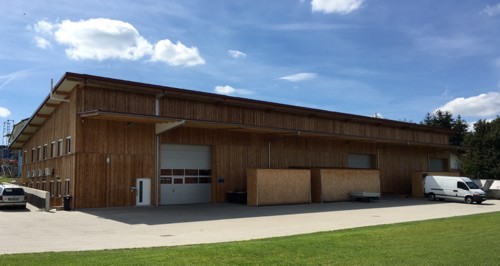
[58, 126]
[186, 109]
[113, 154]
[108, 155]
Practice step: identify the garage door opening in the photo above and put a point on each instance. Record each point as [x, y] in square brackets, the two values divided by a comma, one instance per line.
[186, 176]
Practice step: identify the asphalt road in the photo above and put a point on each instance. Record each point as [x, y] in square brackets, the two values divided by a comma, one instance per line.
[32, 230]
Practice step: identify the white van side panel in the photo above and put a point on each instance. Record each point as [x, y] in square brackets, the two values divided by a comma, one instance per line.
[446, 187]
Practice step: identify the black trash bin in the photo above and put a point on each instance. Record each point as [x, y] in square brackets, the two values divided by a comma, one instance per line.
[67, 203]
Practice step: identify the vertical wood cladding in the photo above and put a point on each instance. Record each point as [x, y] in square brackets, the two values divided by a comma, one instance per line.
[107, 156]
[59, 126]
[221, 112]
[235, 152]
[94, 98]
[113, 155]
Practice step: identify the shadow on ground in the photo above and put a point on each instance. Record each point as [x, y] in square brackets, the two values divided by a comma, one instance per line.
[219, 211]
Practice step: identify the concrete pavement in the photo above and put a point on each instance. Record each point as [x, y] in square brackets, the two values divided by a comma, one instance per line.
[23, 231]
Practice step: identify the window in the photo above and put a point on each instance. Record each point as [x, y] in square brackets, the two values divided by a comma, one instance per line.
[462, 185]
[66, 185]
[363, 161]
[51, 188]
[39, 153]
[33, 155]
[25, 156]
[53, 149]
[44, 185]
[60, 147]
[44, 152]
[438, 165]
[59, 188]
[68, 145]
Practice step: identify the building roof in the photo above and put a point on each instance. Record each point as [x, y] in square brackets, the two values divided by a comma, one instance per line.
[62, 90]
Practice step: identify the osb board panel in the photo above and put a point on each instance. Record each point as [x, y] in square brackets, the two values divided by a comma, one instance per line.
[417, 181]
[278, 186]
[336, 184]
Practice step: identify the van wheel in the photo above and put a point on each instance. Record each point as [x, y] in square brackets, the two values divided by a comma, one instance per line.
[431, 196]
[468, 200]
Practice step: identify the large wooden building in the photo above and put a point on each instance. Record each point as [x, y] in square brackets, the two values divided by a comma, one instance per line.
[109, 143]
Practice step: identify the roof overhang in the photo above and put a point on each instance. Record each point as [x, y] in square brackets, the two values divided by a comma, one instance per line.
[63, 89]
[177, 122]
[57, 95]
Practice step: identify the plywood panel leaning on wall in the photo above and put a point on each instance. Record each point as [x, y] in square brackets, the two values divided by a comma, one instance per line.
[336, 184]
[278, 186]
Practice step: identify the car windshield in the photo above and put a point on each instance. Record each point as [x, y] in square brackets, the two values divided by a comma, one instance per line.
[472, 185]
[13, 192]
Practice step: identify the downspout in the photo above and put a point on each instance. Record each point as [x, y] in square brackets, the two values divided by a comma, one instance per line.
[157, 152]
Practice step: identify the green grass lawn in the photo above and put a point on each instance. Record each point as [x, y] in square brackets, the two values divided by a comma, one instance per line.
[467, 240]
[5, 179]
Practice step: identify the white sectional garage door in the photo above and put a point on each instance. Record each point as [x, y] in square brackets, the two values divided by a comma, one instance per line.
[185, 175]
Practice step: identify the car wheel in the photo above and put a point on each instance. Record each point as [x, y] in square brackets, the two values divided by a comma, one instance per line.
[468, 200]
[431, 196]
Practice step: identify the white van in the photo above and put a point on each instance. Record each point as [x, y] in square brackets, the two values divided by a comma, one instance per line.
[454, 188]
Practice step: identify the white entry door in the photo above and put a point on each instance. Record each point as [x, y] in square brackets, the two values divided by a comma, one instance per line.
[143, 193]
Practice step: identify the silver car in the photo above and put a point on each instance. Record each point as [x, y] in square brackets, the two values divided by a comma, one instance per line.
[12, 196]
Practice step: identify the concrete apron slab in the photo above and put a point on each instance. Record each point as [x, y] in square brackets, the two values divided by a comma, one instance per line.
[133, 227]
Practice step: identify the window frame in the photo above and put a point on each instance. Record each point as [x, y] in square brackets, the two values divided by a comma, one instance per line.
[68, 145]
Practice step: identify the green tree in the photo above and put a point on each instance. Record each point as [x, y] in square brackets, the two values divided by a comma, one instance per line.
[482, 150]
[445, 120]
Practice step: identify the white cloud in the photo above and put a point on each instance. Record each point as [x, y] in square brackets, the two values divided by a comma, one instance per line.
[227, 90]
[336, 6]
[237, 54]
[299, 77]
[176, 54]
[102, 39]
[6, 79]
[42, 42]
[44, 27]
[4, 112]
[483, 106]
[492, 10]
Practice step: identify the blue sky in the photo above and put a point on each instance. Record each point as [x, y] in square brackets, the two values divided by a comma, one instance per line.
[397, 59]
